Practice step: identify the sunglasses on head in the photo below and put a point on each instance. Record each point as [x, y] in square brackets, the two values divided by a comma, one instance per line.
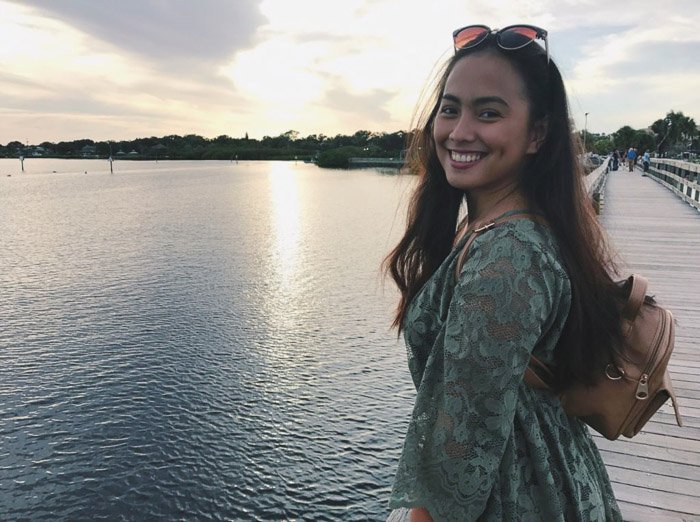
[509, 38]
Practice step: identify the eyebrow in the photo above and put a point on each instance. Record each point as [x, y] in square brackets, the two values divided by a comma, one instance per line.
[477, 101]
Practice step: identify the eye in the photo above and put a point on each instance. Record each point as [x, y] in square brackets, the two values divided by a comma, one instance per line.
[448, 110]
[489, 114]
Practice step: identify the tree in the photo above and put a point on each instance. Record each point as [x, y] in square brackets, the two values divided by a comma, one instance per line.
[338, 158]
[643, 141]
[15, 147]
[588, 139]
[361, 138]
[393, 143]
[291, 135]
[676, 130]
[603, 145]
[661, 129]
[102, 149]
[623, 137]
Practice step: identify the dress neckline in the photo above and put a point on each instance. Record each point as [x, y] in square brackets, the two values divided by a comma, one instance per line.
[492, 222]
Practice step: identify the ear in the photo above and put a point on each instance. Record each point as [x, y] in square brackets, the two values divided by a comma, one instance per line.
[538, 133]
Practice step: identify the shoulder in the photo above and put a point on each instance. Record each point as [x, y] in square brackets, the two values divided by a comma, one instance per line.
[519, 239]
[520, 251]
[513, 281]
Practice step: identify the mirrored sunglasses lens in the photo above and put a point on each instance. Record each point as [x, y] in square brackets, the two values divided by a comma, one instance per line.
[469, 36]
[516, 37]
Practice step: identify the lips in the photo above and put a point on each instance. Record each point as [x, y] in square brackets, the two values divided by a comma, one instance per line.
[466, 157]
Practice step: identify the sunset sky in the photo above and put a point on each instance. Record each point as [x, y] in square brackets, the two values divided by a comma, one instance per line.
[134, 68]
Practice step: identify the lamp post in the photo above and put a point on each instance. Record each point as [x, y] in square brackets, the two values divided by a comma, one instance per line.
[585, 131]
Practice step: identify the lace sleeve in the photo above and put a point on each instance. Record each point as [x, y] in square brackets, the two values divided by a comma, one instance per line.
[463, 416]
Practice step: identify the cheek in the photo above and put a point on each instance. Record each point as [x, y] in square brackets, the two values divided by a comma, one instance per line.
[505, 136]
[440, 132]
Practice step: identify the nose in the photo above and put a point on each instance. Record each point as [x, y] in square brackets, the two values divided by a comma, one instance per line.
[463, 129]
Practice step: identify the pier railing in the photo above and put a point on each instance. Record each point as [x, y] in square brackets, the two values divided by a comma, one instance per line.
[375, 162]
[595, 185]
[680, 177]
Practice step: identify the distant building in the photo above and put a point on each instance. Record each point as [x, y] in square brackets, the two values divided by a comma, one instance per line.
[159, 151]
[88, 151]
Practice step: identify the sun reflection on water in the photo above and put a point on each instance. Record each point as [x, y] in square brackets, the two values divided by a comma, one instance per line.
[287, 299]
[284, 194]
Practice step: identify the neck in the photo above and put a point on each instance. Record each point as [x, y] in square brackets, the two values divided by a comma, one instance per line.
[485, 208]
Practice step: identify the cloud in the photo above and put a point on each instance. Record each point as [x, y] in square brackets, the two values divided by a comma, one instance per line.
[367, 109]
[266, 66]
[176, 33]
[53, 72]
[659, 59]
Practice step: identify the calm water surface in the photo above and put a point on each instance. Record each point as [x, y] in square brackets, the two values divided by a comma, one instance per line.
[197, 341]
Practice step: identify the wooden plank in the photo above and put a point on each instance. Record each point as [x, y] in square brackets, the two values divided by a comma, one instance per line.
[688, 402]
[656, 467]
[662, 441]
[654, 481]
[660, 499]
[682, 362]
[672, 430]
[686, 413]
[655, 475]
[690, 394]
[670, 418]
[653, 452]
[686, 363]
[687, 384]
[685, 376]
[683, 349]
[638, 513]
[689, 381]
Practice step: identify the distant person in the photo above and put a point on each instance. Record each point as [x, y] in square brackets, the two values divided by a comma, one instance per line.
[646, 160]
[615, 160]
[481, 294]
[631, 156]
[636, 156]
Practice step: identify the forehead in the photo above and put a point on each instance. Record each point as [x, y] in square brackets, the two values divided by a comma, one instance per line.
[484, 74]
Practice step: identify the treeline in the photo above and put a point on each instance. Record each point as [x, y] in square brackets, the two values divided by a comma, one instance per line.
[671, 136]
[327, 151]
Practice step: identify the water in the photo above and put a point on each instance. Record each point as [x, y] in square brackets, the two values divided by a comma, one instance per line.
[197, 341]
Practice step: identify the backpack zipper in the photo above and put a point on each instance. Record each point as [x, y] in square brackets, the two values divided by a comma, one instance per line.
[643, 385]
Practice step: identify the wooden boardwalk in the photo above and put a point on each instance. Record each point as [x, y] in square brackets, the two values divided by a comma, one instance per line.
[656, 475]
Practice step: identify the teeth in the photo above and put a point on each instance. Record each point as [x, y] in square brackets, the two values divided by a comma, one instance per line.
[466, 158]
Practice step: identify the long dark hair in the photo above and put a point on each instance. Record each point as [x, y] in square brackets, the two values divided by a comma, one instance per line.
[552, 182]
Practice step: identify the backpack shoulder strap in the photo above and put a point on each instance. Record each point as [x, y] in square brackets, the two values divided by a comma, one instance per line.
[638, 290]
[538, 375]
[504, 218]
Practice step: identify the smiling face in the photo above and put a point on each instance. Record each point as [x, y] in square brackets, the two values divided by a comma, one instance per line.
[482, 131]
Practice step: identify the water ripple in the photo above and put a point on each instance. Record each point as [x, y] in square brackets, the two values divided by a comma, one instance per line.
[166, 355]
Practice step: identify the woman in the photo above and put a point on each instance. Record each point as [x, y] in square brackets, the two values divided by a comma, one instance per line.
[535, 279]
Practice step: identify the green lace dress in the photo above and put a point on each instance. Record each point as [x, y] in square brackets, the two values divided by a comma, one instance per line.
[481, 444]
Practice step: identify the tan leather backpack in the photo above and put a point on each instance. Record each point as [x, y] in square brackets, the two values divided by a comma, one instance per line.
[630, 390]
